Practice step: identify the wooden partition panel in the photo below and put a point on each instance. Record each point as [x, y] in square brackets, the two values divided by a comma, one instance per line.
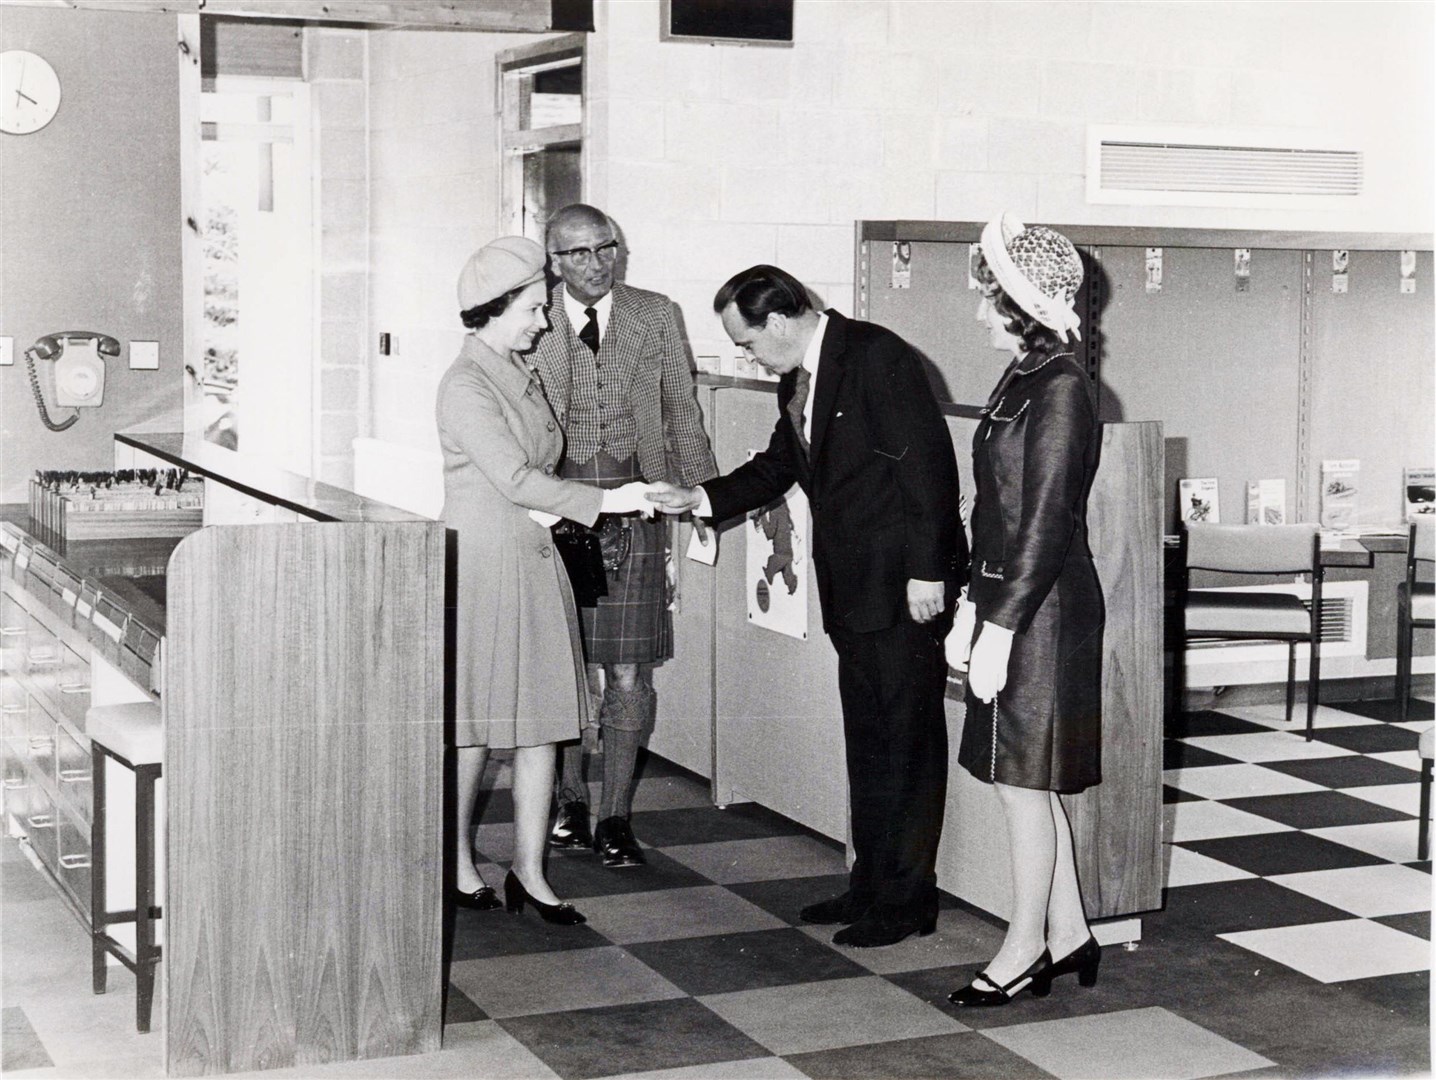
[304, 761]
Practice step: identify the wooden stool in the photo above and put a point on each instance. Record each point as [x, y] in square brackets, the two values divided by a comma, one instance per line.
[132, 735]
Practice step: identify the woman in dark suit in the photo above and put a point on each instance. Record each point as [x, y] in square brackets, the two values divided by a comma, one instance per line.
[1030, 628]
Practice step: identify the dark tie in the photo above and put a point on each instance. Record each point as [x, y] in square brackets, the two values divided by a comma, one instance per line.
[589, 334]
[798, 402]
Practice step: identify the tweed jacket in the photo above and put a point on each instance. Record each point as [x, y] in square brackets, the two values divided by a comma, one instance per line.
[645, 359]
[880, 475]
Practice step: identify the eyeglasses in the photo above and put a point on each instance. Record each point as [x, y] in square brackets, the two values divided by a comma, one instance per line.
[582, 255]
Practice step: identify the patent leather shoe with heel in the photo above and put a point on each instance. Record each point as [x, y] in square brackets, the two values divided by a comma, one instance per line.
[1037, 978]
[1083, 960]
[481, 899]
[515, 896]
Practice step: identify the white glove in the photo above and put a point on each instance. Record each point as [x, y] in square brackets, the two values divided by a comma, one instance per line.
[987, 673]
[958, 645]
[628, 499]
[544, 518]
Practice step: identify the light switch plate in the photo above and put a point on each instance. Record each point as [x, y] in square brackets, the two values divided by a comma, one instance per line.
[145, 355]
[7, 350]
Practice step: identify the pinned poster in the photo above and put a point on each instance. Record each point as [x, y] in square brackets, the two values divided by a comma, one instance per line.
[902, 265]
[777, 566]
[1242, 266]
[1154, 270]
[1408, 271]
[1340, 260]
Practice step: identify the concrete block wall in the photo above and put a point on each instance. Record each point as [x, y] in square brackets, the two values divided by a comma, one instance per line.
[713, 158]
[336, 70]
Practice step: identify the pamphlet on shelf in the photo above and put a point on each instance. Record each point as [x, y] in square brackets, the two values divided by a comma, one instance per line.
[1266, 502]
[1197, 499]
[1418, 492]
[1339, 491]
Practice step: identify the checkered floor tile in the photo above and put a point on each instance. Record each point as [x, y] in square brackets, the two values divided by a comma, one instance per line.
[1294, 940]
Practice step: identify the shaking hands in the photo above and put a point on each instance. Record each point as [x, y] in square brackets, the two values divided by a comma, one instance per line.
[628, 499]
[672, 499]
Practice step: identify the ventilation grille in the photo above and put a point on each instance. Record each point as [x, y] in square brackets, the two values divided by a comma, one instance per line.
[1132, 166]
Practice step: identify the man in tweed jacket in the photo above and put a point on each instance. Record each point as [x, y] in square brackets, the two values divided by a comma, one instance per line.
[616, 371]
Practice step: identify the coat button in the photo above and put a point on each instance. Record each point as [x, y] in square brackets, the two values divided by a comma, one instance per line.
[817, 504]
[545, 551]
[548, 470]
[551, 425]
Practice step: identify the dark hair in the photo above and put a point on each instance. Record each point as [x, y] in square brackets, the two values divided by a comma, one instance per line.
[761, 290]
[480, 314]
[1035, 337]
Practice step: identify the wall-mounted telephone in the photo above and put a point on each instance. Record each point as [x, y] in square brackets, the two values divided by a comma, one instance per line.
[79, 371]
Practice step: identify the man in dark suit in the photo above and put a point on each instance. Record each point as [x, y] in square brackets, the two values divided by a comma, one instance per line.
[615, 370]
[860, 431]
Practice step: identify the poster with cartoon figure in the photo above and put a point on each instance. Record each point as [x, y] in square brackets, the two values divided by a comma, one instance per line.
[777, 566]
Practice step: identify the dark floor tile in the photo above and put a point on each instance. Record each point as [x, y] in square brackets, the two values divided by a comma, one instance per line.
[20, 1047]
[631, 1038]
[1369, 738]
[459, 1009]
[785, 897]
[936, 1057]
[1344, 772]
[1412, 922]
[482, 934]
[1176, 795]
[705, 824]
[748, 961]
[1282, 853]
[1200, 912]
[1387, 709]
[1317, 809]
[495, 806]
[1407, 994]
[1424, 865]
[1207, 722]
[1180, 755]
[578, 874]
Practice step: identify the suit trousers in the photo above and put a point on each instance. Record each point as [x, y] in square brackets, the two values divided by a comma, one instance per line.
[892, 683]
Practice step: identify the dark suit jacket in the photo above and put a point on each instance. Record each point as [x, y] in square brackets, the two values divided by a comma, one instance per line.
[881, 477]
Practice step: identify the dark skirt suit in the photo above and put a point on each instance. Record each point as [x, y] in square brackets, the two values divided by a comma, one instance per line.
[1034, 456]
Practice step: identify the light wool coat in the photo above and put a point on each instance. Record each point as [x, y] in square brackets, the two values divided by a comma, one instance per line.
[520, 676]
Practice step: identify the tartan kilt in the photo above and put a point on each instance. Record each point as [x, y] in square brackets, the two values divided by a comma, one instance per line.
[632, 624]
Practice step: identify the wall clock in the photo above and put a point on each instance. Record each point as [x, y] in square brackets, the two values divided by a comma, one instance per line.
[29, 92]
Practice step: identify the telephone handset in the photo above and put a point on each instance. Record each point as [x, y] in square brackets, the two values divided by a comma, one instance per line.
[79, 371]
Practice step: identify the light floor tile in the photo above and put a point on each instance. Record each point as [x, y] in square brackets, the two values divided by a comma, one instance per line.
[550, 982]
[1274, 717]
[1338, 951]
[1403, 797]
[960, 938]
[1130, 1043]
[766, 859]
[1202, 819]
[1417, 726]
[1235, 781]
[1394, 840]
[829, 1014]
[675, 913]
[669, 793]
[1407, 759]
[1368, 891]
[1266, 746]
[1188, 868]
[769, 1068]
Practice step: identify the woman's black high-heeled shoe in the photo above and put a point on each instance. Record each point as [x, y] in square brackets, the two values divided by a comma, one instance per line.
[481, 899]
[559, 914]
[1037, 978]
[1083, 960]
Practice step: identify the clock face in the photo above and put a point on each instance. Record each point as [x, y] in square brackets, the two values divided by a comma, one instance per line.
[29, 92]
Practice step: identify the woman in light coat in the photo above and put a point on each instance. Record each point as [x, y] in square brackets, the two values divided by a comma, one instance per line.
[520, 680]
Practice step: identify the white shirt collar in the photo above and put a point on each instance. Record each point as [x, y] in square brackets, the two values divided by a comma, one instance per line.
[575, 311]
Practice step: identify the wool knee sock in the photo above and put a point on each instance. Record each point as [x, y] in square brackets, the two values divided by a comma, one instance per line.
[633, 709]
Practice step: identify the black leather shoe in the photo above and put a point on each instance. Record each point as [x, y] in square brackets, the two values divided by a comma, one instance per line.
[885, 926]
[570, 828]
[481, 899]
[1083, 960]
[840, 909]
[1037, 978]
[614, 842]
[515, 896]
